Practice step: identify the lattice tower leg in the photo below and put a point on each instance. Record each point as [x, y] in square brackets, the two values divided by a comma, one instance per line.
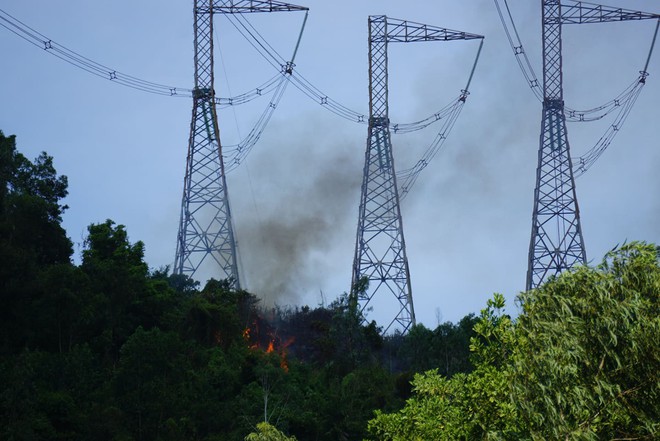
[556, 241]
[380, 251]
[205, 242]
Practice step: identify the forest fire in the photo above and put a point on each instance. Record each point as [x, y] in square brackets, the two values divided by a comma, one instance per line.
[247, 337]
[269, 342]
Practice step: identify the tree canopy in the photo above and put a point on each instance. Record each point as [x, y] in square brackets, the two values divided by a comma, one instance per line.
[266, 432]
[581, 361]
[110, 349]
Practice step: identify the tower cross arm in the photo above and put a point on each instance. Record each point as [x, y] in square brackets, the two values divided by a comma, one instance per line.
[249, 6]
[581, 12]
[403, 31]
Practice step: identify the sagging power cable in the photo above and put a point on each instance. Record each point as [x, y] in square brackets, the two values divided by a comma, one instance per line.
[37, 39]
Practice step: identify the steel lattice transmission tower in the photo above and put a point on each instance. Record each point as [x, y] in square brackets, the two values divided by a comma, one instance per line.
[206, 234]
[380, 250]
[556, 241]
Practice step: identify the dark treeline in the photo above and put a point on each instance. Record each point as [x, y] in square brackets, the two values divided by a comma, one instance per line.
[113, 350]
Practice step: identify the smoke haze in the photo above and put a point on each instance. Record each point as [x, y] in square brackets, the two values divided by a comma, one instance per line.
[304, 194]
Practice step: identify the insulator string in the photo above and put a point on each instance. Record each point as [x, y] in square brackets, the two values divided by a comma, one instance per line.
[518, 50]
[600, 112]
[584, 162]
[408, 177]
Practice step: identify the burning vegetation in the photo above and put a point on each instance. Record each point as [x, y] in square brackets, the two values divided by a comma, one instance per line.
[268, 341]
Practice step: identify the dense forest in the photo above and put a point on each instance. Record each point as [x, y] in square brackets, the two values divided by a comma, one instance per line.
[111, 349]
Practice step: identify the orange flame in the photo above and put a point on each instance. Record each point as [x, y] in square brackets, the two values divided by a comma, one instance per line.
[252, 333]
[283, 363]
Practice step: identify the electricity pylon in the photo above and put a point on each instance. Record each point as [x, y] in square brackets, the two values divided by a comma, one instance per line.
[556, 241]
[206, 234]
[380, 250]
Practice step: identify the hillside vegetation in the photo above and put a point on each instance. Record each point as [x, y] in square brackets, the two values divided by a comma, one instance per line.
[111, 349]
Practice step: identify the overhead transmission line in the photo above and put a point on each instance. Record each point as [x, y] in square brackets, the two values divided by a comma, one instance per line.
[67, 55]
[585, 161]
[275, 85]
[62, 52]
[406, 178]
[236, 153]
[623, 102]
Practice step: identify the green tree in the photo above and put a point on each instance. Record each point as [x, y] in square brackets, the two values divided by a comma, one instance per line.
[60, 307]
[153, 386]
[416, 349]
[354, 343]
[266, 432]
[581, 362]
[30, 195]
[466, 406]
[587, 360]
[118, 285]
[360, 392]
[31, 237]
[451, 345]
[49, 396]
[218, 315]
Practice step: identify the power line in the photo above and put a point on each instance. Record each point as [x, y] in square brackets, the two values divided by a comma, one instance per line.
[248, 31]
[90, 66]
[236, 153]
[622, 103]
[39, 40]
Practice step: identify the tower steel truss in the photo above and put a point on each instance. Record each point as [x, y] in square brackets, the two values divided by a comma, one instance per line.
[556, 240]
[380, 251]
[206, 234]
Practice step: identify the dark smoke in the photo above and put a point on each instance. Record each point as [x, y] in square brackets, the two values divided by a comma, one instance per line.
[304, 202]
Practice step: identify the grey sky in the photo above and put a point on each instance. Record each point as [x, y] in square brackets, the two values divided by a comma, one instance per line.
[467, 221]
